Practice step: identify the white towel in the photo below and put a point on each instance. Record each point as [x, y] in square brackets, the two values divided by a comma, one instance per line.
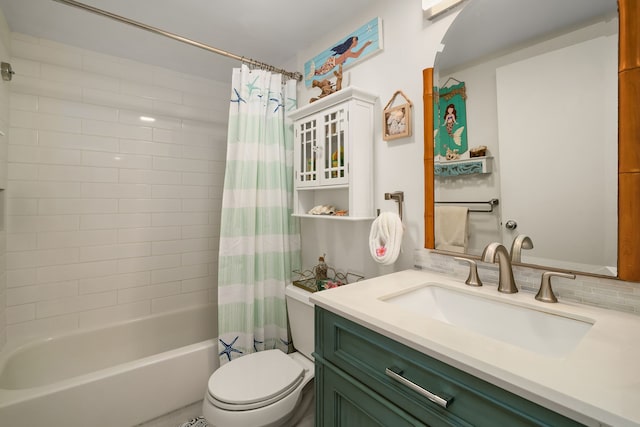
[451, 228]
[385, 238]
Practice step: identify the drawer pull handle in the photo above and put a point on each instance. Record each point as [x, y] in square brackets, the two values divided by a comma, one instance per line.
[396, 374]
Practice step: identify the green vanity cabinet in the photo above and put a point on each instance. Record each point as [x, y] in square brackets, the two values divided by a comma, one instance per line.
[346, 402]
[364, 378]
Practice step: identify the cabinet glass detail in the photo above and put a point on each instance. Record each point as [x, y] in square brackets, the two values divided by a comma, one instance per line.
[308, 147]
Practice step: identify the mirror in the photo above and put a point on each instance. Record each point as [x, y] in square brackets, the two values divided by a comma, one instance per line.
[530, 70]
[628, 143]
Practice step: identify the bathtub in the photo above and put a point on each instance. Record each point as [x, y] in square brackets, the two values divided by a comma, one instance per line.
[115, 376]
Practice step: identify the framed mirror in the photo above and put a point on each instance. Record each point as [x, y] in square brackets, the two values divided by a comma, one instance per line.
[628, 168]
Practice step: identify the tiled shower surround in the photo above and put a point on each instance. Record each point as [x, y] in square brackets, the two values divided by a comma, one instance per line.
[110, 215]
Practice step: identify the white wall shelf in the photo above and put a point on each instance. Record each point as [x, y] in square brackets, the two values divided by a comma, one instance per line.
[336, 217]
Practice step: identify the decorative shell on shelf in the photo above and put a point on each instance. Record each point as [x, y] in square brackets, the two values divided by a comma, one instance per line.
[323, 210]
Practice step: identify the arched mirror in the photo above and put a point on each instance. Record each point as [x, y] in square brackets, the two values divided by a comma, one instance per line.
[556, 163]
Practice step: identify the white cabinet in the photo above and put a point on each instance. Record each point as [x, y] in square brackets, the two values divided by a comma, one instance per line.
[333, 155]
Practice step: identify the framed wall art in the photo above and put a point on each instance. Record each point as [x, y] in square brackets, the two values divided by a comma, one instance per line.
[347, 51]
[451, 129]
[396, 120]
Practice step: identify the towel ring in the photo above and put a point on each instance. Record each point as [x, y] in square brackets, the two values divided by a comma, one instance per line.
[398, 196]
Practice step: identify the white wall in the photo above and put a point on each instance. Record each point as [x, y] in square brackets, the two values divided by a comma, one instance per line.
[109, 217]
[410, 45]
[4, 127]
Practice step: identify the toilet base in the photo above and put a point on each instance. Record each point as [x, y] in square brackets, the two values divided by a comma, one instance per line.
[305, 413]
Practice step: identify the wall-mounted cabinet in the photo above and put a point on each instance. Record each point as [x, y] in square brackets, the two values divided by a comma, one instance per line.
[333, 155]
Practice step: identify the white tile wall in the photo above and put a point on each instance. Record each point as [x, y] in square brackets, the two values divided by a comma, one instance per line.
[108, 217]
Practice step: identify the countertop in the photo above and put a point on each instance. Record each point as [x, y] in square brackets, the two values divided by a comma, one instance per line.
[597, 383]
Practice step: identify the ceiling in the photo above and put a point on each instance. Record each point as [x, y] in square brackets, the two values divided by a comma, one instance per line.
[489, 26]
[249, 28]
[253, 28]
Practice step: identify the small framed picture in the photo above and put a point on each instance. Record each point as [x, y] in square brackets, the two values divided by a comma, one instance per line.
[397, 122]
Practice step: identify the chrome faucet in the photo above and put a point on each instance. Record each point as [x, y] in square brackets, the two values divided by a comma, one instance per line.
[506, 282]
[522, 241]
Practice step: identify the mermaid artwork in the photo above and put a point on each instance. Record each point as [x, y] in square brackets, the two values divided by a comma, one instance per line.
[452, 142]
[450, 118]
[341, 53]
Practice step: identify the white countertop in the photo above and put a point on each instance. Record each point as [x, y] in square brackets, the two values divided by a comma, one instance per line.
[598, 383]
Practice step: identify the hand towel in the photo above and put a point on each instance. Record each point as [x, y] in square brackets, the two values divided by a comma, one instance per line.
[451, 228]
[385, 238]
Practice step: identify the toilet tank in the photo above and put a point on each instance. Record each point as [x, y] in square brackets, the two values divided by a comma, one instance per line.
[301, 319]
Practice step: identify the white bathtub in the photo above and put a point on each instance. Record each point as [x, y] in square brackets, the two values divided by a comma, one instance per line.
[116, 376]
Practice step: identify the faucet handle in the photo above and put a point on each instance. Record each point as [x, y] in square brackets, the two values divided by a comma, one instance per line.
[473, 279]
[545, 293]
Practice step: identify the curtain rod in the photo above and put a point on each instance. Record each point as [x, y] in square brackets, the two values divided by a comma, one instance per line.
[249, 61]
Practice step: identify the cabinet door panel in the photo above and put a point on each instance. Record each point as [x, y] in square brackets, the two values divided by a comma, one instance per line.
[344, 402]
[305, 152]
[335, 152]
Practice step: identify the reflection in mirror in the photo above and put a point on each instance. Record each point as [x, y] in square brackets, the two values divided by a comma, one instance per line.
[541, 95]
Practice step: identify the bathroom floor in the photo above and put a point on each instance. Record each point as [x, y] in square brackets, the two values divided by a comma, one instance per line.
[196, 422]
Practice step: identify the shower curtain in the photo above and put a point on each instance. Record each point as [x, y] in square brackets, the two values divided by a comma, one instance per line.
[259, 240]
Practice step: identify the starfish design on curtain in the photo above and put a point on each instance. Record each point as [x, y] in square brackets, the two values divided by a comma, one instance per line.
[255, 341]
[240, 99]
[228, 348]
[292, 103]
[278, 104]
[252, 86]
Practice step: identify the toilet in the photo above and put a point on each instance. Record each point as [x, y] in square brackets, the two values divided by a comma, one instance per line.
[268, 388]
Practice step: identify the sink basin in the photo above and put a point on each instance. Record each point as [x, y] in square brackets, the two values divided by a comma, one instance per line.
[539, 331]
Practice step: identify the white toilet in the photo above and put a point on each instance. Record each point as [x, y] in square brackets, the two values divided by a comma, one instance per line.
[268, 388]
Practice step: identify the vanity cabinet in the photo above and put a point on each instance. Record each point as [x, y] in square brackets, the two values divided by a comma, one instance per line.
[363, 376]
[333, 154]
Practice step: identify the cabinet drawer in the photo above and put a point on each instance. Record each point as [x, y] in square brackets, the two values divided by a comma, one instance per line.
[366, 356]
[343, 402]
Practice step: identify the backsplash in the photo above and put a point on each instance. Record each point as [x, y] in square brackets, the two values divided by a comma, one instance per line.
[110, 215]
[601, 292]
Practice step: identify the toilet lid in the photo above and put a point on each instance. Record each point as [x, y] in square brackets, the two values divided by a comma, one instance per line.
[254, 378]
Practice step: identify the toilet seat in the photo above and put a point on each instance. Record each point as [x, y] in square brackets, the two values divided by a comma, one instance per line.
[254, 381]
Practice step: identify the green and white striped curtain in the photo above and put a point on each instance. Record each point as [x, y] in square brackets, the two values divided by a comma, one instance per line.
[259, 240]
